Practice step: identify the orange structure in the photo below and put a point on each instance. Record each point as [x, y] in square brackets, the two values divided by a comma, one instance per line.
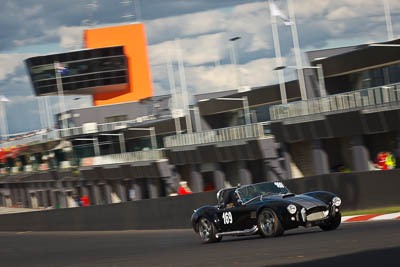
[133, 38]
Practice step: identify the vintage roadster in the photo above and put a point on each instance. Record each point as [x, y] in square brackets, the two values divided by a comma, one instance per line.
[267, 208]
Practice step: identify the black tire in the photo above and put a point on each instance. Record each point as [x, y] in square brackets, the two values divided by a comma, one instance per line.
[207, 231]
[268, 224]
[332, 223]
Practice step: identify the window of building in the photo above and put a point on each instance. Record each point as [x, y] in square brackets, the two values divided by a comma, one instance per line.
[116, 118]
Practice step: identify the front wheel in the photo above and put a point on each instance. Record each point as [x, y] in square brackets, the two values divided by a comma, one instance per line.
[332, 223]
[269, 224]
[207, 231]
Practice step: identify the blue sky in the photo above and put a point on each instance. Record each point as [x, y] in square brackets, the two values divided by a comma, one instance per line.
[204, 27]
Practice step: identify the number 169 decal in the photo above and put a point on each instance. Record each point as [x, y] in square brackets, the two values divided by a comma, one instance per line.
[227, 217]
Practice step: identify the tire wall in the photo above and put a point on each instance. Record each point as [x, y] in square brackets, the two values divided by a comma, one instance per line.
[360, 190]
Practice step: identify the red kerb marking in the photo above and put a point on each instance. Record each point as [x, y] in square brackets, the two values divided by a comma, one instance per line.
[362, 217]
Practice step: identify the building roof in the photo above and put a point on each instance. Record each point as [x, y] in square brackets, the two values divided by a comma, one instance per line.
[341, 61]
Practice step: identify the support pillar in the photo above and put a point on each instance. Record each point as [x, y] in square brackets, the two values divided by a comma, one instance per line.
[96, 194]
[219, 179]
[107, 192]
[271, 174]
[287, 159]
[153, 186]
[360, 154]
[53, 199]
[121, 191]
[138, 189]
[23, 196]
[84, 190]
[13, 194]
[320, 158]
[28, 188]
[244, 174]
[44, 197]
[62, 199]
[197, 182]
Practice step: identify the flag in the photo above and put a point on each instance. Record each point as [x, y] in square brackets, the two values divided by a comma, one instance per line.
[4, 99]
[61, 69]
[276, 12]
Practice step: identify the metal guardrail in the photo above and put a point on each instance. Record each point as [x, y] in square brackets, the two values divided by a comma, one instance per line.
[360, 99]
[219, 135]
[62, 133]
[137, 156]
[146, 155]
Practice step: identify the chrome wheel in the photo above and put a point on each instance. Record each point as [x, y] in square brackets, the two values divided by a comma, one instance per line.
[205, 229]
[267, 222]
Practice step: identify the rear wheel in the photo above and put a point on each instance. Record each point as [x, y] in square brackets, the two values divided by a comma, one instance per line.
[269, 224]
[207, 231]
[332, 223]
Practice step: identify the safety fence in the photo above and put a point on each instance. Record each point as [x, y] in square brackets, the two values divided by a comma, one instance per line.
[358, 190]
[360, 99]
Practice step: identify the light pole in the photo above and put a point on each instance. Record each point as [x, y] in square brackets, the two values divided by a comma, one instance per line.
[278, 57]
[176, 113]
[297, 52]
[388, 19]
[57, 67]
[245, 101]
[152, 134]
[121, 140]
[185, 97]
[234, 60]
[321, 80]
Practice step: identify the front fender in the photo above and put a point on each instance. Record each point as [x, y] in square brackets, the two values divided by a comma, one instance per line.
[279, 207]
[324, 196]
[208, 212]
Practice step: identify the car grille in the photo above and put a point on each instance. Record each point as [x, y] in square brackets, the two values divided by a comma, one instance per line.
[317, 215]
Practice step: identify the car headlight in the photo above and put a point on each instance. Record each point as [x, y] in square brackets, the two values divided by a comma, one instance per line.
[291, 209]
[336, 201]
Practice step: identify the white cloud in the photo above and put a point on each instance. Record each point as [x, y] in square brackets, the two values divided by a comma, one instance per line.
[185, 25]
[71, 38]
[341, 13]
[10, 62]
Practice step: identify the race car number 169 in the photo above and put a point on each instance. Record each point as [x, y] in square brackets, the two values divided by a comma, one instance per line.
[227, 217]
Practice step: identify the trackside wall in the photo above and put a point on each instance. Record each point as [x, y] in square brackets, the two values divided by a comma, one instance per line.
[360, 190]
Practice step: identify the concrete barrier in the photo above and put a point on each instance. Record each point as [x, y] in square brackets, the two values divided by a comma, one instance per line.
[358, 190]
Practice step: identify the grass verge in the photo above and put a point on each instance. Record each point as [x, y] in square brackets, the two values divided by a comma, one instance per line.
[372, 211]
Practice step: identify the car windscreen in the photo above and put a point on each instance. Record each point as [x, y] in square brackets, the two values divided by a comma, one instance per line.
[268, 188]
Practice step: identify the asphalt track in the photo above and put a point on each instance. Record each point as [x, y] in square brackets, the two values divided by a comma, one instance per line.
[353, 244]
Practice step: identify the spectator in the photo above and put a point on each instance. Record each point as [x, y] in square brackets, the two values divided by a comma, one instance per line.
[77, 199]
[183, 188]
[380, 161]
[390, 161]
[84, 201]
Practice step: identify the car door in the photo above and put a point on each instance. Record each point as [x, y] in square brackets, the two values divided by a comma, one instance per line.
[235, 218]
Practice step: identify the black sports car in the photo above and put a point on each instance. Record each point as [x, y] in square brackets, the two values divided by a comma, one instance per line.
[267, 208]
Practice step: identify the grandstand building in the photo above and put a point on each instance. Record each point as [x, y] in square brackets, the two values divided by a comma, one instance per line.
[121, 150]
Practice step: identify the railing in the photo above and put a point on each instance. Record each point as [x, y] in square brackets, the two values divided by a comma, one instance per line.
[360, 99]
[60, 133]
[218, 135]
[146, 155]
[138, 156]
